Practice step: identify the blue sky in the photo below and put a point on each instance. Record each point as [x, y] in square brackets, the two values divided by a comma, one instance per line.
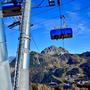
[77, 14]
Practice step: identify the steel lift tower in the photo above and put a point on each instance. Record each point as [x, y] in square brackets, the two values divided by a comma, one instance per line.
[5, 77]
[21, 80]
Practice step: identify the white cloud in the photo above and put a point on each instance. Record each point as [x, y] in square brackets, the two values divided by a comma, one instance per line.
[80, 26]
[70, 13]
[88, 13]
[81, 29]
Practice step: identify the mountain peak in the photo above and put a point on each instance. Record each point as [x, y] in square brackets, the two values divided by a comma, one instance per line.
[52, 50]
[85, 55]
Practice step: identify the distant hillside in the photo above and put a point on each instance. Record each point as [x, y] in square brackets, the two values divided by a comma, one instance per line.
[85, 55]
[57, 64]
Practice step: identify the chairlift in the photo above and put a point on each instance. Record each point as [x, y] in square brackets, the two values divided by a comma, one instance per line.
[11, 10]
[61, 33]
[67, 86]
[51, 2]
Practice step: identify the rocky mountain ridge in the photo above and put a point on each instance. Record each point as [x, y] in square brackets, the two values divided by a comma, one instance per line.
[57, 64]
[52, 50]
